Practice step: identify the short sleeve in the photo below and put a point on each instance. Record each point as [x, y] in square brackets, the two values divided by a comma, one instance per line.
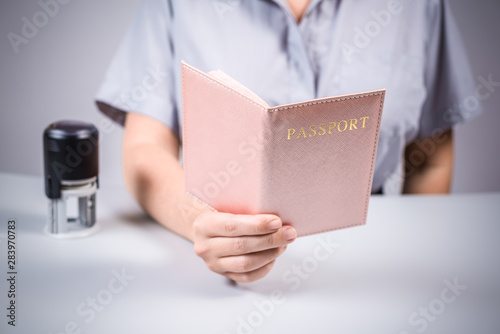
[140, 77]
[449, 81]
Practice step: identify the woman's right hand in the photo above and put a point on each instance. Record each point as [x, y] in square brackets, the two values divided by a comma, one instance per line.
[240, 247]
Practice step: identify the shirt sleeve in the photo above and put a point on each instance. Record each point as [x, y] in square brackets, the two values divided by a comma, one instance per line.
[449, 81]
[140, 77]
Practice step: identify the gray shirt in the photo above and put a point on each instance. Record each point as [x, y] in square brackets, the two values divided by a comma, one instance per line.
[409, 47]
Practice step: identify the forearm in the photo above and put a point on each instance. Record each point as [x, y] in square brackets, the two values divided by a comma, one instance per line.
[155, 178]
[431, 174]
[430, 180]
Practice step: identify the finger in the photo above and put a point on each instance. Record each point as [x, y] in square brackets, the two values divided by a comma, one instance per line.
[225, 246]
[229, 225]
[248, 262]
[251, 276]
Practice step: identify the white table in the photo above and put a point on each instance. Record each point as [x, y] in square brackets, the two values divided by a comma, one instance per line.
[377, 278]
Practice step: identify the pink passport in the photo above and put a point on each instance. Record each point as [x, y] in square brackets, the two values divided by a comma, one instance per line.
[311, 163]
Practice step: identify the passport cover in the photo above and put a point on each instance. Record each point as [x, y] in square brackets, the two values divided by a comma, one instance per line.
[311, 163]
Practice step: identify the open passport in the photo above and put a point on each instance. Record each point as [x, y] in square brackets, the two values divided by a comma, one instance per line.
[311, 163]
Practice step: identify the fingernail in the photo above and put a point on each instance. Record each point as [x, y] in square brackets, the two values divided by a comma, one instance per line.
[275, 224]
[290, 234]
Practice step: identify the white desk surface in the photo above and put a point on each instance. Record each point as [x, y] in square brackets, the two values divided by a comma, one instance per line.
[378, 279]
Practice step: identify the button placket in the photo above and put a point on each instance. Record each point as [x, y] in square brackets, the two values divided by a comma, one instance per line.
[302, 86]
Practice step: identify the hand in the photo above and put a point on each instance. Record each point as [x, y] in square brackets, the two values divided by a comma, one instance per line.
[240, 247]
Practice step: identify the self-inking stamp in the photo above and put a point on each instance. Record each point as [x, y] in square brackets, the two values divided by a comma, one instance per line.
[71, 161]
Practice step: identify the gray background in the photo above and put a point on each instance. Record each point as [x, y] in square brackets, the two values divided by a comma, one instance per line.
[57, 73]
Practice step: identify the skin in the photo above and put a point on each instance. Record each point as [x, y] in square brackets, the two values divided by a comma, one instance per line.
[243, 248]
[298, 8]
[431, 175]
[240, 247]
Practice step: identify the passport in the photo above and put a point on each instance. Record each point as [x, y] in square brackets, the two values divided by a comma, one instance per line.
[311, 162]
